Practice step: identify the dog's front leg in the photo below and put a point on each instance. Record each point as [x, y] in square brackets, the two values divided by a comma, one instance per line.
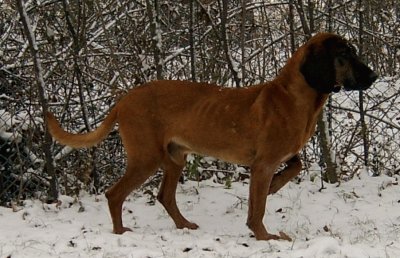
[260, 181]
[280, 179]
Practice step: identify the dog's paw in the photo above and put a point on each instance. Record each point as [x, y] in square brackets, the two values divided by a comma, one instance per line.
[188, 225]
[267, 236]
[121, 230]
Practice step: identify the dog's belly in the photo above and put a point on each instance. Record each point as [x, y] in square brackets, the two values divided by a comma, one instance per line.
[229, 151]
[242, 158]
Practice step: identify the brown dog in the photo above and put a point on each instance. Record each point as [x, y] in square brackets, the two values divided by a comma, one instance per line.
[260, 126]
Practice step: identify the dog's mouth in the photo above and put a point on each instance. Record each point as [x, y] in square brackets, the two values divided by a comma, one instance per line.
[354, 86]
[337, 87]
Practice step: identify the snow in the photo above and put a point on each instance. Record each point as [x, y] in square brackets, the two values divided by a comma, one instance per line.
[359, 218]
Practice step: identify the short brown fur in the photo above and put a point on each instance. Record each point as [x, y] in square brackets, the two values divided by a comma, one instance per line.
[261, 126]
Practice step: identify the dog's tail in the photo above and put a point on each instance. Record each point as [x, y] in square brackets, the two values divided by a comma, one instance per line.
[81, 140]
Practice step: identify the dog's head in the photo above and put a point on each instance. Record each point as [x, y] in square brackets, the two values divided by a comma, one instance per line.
[331, 62]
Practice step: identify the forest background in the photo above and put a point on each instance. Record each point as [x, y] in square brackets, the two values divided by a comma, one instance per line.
[92, 52]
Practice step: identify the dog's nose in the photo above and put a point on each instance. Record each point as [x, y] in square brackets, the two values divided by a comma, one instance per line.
[373, 76]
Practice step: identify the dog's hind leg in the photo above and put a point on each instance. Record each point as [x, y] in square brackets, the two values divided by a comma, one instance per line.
[135, 175]
[167, 192]
[280, 179]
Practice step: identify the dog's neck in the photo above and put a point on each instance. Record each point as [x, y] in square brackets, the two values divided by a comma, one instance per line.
[295, 84]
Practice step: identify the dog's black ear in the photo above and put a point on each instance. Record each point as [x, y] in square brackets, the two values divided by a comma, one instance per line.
[318, 69]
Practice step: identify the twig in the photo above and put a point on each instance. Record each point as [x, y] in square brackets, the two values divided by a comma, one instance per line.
[369, 115]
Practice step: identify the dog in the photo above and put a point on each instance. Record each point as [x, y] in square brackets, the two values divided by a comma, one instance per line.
[261, 126]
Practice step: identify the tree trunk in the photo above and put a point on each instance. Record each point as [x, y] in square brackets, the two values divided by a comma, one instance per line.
[243, 39]
[325, 145]
[228, 56]
[153, 13]
[291, 26]
[364, 129]
[43, 98]
[191, 39]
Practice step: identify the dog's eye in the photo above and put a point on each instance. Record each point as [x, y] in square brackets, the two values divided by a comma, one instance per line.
[344, 54]
[341, 60]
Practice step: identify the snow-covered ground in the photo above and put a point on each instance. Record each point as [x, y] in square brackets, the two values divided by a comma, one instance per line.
[360, 218]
